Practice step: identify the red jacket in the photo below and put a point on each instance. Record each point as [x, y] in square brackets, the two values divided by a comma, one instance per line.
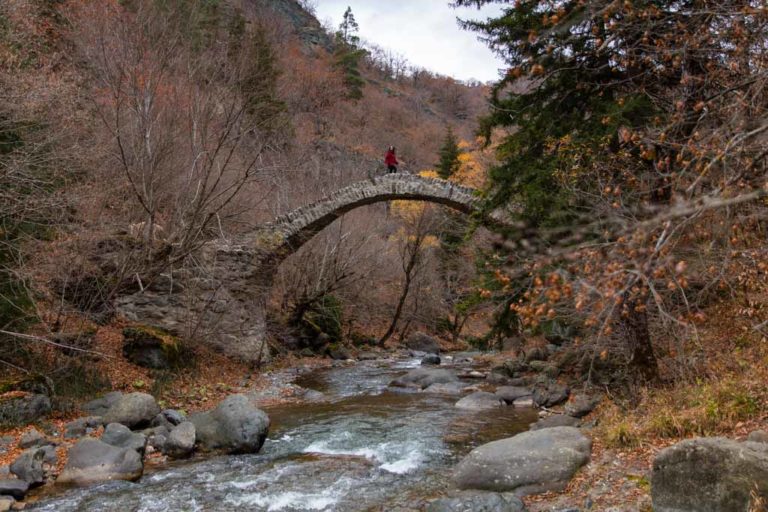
[390, 158]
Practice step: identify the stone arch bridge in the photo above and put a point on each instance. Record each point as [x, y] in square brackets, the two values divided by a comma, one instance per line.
[224, 301]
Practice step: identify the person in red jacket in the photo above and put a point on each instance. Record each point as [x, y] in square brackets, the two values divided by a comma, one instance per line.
[390, 160]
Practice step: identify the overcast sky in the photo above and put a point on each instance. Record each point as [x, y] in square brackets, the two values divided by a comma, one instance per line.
[424, 31]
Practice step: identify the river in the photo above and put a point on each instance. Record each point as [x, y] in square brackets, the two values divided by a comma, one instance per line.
[362, 447]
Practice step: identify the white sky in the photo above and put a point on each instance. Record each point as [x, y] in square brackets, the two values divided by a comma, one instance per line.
[424, 31]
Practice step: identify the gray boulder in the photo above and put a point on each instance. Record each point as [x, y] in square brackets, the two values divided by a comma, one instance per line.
[181, 441]
[536, 354]
[580, 405]
[480, 400]
[234, 426]
[101, 405]
[511, 393]
[29, 466]
[556, 420]
[50, 457]
[528, 463]
[157, 437]
[32, 438]
[431, 359]
[14, 488]
[478, 502]
[80, 427]
[121, 436]
[24, 409]
[132, 410]
[338, 352]
[549, 394]
[524, 401]
[447, 388]
[422, 378]
[758, 436]
[423, 343]
[91, 461]
[713, 474]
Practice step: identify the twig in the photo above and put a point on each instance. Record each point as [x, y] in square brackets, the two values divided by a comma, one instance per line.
[44, 340]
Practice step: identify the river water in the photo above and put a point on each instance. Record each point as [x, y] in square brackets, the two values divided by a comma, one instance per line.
[362, 447]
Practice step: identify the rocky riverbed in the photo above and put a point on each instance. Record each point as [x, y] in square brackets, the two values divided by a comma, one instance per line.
[383, 433]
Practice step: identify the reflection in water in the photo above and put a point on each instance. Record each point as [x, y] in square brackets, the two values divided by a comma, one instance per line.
[366, 448]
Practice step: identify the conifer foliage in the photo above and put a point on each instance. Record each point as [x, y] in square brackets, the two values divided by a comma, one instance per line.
[348, 55]
[449, 155]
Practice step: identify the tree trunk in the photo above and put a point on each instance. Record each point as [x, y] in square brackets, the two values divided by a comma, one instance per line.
[398, 311]
[643, 362]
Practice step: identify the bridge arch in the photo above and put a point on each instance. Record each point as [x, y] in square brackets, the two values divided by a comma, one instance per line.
[225, 303]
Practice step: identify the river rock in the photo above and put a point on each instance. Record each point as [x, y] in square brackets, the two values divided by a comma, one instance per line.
[424, 377]
[24, 409]
[511, 393]
[367, 356]
[556, 420]
[234, 426]
[431, 359]
[478, 502]
[157, 437]
[580, 405]
[446, 388]
[51, 457]
[29, 466]
[132, 410]
[338, 352]
[423, 343]
[181, 441]
[758, 436]
[82, 426]
[480, 400]
[121, 436]
[523, 401]
[709, 474]
[528, 463]
[550, 393]
[536, 354]
[91, 461]
[32, 438]
[7, 503]
[101, 405]
[14, 488]
[168, 418]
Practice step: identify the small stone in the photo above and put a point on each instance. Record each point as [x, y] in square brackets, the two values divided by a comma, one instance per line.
[431, 359]
[758, 436]
[181, 441]
[121, 436]
[32, 438]
[17, 489]
[480, 400]
[6, 503]
[556, 420]
[29, 466]
[580, 405]
[526, 401]
[511, 393]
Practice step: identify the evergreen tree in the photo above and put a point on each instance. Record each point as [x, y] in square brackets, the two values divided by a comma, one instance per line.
[348, 55]
[449, 155]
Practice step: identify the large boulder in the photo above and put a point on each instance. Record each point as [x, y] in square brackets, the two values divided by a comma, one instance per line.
[91, 461]
[29, 466]
[431, 359]
[423, 343]
[234, 426]
[101, 405]
[121, 436]
[181, 441]
[132, 410]
[712, 474]
[511, 393]
[528, 463]
[24, 409]
[14, 488]
[422, 378]
[556, 420]
[481, 400]
[477, 502]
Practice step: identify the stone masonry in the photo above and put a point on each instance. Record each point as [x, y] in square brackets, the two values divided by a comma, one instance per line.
[224, 302]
